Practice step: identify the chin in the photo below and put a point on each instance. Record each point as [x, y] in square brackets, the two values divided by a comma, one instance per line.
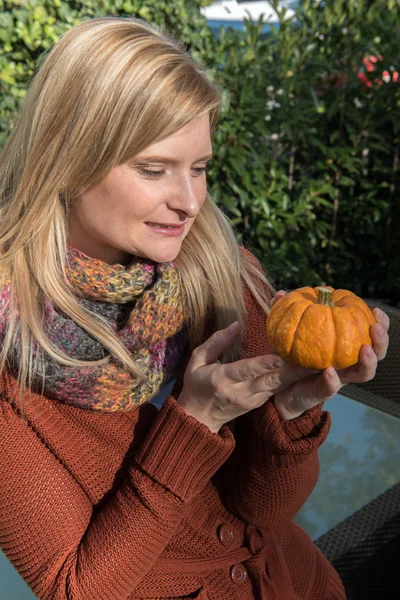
[165, 258]
[162, 256]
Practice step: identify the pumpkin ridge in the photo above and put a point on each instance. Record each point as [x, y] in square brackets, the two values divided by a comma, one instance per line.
[345, 301]
[335, 346]
[335, 341]
[275, 314]
[282, 317]
[302, 301]
[366, 311]
[354, 300]
[307, 293]
[353, 317]
[356, 322]
[297, 330]
[348, 312]
[348, 296]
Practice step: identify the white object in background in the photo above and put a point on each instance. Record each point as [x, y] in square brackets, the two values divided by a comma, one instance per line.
[229, 5]
[230, 10]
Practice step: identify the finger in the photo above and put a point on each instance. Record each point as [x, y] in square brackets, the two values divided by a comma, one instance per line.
[380, 340]
[249, 368]
[381, 318]
[211, 349]
[279, 379]
[307, 393]
[277, 296]
[363, 371]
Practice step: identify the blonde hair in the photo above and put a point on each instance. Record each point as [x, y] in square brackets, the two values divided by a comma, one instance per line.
[108, 89]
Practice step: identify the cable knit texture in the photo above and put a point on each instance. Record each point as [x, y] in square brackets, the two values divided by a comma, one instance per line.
[142, 504]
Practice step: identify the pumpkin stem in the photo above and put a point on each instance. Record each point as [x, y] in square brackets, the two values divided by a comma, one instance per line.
[324, 296]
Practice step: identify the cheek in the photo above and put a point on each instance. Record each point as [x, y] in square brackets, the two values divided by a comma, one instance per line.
[100, 213]
[136, 199]
[202, 191]
[96, 211]
[113, 201]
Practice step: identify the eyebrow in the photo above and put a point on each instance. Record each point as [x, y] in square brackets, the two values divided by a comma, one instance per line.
[166, 160]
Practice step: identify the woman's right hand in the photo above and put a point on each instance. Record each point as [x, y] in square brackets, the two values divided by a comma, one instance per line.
[216, 393]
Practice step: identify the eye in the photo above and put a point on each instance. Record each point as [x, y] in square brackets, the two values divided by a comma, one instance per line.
[200, 170]
[151, 173]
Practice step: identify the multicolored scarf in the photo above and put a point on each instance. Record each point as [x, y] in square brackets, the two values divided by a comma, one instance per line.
[142, 303]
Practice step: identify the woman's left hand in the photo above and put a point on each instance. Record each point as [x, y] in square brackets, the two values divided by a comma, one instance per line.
[321, 386]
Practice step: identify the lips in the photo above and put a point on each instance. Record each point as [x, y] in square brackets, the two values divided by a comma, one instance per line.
[164, 225]
[166, 230]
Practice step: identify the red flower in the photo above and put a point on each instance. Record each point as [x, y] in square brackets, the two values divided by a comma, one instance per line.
[370, 61]
[370, 65]
[364, 79]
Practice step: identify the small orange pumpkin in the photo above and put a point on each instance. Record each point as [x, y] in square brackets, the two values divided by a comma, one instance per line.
[319, 327]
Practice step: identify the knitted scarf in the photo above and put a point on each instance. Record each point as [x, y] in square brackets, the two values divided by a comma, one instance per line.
[142, 303]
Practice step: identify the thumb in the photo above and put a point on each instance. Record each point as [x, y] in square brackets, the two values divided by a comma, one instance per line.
[209, 351]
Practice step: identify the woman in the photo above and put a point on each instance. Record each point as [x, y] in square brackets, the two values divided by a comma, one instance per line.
[151, 445]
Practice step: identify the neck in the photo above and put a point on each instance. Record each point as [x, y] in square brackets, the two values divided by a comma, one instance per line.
[109, 256]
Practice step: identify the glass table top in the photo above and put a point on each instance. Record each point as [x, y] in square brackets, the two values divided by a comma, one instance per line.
[12, 586]
[359, 460]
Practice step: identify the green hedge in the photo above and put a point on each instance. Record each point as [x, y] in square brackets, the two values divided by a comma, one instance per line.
[307, 151]
[28, 28]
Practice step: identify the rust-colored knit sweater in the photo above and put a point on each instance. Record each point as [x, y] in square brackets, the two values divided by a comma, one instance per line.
[150, 504]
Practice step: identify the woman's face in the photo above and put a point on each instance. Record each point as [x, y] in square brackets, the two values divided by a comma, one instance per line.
[163, 185]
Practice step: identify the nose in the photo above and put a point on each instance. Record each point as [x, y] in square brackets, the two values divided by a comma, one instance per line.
[188, 195]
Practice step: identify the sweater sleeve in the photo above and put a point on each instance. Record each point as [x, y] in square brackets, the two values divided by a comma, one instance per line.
[275, 466]
[66, 550]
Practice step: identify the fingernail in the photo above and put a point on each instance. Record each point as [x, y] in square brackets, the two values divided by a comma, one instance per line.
[378, 313]
[233, 327]
[380, 331]
[331, 373]
[370, 352]
[278, 364]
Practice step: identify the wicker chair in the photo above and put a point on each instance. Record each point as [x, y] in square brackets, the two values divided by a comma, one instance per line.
[365, 547]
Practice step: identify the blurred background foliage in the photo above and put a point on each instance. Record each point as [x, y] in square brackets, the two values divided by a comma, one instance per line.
[307, 150]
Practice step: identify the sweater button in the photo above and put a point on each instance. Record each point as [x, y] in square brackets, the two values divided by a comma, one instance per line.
[225, 534]
[239, 573]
